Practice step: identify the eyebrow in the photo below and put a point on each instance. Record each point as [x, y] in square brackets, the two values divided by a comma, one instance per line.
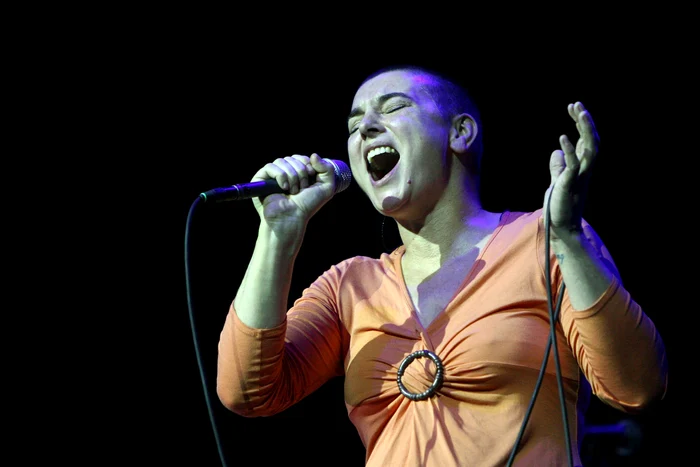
[380, 100]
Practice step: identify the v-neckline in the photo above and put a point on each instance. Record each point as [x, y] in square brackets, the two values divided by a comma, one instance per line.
[467, 278]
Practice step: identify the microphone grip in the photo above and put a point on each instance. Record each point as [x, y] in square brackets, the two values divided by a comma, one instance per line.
[243, 191]
[260, 189]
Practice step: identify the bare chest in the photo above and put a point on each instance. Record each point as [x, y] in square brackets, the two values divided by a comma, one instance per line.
[432, 293]
[432, 288]
[428, 304]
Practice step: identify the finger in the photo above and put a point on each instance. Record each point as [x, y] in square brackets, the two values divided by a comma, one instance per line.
[575, 110]
[589, 135]
[588, 129]
[570, 157]
[272, 171]
[588, 142]
[584, 122]
[306, 160]
[301, 172]
[289, 175]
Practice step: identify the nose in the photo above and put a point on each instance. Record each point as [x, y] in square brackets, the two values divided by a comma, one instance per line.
[370, 124]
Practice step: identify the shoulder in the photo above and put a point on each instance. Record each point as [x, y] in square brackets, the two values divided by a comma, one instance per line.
[362, 269]
[364, 264]
[350, 277]
[524, 220]
[520, 221]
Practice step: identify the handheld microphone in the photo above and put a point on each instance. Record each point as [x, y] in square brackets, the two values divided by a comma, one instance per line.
[343, 177]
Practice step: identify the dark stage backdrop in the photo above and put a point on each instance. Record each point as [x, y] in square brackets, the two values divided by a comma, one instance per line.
[210, 117]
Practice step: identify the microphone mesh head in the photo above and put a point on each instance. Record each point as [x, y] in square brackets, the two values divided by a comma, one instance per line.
[343, 175]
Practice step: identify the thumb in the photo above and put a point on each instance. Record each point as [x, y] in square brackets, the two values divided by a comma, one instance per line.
[557, 164]
[323, 168]
[319, 164]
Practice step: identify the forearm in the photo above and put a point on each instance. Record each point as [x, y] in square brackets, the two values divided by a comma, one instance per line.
[248, 366]
[619, 348]
[262, 298]
[586, 273]
[265, 367]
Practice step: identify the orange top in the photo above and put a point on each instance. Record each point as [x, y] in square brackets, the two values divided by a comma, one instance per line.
[357, 320]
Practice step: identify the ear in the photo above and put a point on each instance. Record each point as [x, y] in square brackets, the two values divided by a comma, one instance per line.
[462, 133]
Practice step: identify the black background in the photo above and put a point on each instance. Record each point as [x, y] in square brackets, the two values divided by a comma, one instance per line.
[176, 108]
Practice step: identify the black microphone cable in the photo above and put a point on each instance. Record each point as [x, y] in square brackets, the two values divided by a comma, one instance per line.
[553, 316]
[343, 179]
[198, 355]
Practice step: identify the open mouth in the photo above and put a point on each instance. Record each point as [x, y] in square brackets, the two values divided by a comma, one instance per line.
[381, 160]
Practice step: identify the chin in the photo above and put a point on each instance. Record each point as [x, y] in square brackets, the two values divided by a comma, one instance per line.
[390, 205]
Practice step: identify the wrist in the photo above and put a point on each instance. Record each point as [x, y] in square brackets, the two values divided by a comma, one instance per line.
[281, 242]
[567, 239]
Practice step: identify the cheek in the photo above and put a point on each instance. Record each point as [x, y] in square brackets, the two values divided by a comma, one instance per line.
[355, 157]
[355, 166]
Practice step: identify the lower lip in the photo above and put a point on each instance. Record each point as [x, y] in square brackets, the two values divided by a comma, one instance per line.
[384, 180]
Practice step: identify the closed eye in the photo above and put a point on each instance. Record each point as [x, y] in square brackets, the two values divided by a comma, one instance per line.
[394, 108]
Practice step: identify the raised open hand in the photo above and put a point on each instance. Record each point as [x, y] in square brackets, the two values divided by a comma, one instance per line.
[570, 169]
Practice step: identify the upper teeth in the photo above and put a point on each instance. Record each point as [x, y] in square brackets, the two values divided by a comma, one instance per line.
[381, 150]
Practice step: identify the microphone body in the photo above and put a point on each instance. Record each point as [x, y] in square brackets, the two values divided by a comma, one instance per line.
[343, 178]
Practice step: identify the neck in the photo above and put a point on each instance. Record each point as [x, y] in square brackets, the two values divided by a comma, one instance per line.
[449, 230]
[446, 236]
[448, 226]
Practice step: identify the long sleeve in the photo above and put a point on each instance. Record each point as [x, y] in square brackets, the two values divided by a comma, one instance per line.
[262, 372]
[619, 349]
[615, 343]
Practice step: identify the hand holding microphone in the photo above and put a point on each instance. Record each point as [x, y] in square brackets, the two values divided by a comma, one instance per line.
[289, 190]
[287, 176]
